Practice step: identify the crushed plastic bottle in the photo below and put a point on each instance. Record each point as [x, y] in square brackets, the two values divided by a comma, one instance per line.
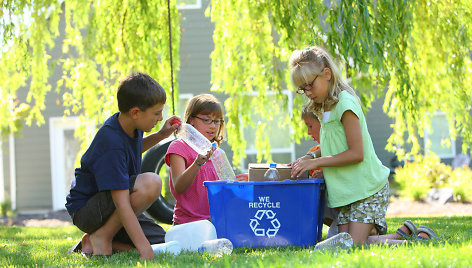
[272, 174]
[172, 247]
[194, 138]
[217, 247]
[340, 241]
[222, 166]
[191, 235]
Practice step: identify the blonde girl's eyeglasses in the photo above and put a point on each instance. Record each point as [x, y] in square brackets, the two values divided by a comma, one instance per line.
[302, 90]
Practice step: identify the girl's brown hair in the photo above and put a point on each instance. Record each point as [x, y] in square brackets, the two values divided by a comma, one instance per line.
[206, 104]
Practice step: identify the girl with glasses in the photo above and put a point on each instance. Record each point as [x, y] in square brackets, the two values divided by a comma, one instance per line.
[356, 180]
[188, 169]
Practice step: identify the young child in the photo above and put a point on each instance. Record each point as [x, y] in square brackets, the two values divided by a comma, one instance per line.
[108, 191]
[355, 178]
[188, 169]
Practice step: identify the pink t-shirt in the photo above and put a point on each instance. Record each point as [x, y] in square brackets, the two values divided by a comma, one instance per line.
[192, 205]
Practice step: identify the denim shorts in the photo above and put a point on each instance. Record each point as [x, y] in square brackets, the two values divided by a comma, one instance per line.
[369, 210]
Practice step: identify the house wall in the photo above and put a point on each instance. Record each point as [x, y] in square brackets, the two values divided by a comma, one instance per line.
[32, 158]
[32, 147]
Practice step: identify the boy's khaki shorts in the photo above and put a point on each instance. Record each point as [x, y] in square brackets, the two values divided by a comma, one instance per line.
[99, 208]
[369, 210]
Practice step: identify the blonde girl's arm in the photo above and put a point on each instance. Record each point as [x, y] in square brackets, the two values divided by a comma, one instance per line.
[183, 178]
[354, 153]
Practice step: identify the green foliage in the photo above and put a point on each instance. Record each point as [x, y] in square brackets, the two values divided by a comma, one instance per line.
[5, 208]
[460, 182]
[28, 246]
[417, 53]
[416, 178]
[100, 42]
[417, 50]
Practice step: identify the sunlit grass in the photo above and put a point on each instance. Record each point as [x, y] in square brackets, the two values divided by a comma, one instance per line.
[28, 246]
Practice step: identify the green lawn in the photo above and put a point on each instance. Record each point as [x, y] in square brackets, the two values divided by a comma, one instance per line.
[27, 246]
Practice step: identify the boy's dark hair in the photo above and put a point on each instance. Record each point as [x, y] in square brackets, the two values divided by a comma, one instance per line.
[139, 90]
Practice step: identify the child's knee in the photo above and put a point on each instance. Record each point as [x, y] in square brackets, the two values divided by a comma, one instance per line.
[149, 182]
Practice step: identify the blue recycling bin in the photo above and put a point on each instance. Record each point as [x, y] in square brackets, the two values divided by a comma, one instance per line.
[264, 214]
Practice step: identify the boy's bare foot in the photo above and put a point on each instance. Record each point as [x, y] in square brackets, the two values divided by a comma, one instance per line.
[100, 246]
[86, 244]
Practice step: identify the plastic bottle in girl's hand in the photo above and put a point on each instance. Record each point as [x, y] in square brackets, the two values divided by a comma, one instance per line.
[194, 138]
[221, 164]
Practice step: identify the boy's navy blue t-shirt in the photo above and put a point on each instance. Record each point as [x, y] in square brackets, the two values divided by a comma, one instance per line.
[107, 164]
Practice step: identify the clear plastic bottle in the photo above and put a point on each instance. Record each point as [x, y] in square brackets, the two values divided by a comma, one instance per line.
[194, 138]
[217, 247]
[340, 241]
[272, 174]
[222, 166]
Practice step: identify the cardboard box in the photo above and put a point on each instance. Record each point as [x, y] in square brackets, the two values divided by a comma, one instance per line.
[256, 172]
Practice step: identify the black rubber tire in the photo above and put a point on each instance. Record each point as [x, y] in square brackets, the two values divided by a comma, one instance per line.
[153, 160]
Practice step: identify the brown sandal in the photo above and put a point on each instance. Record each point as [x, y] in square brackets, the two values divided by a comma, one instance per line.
[431, 234]
[413, 230]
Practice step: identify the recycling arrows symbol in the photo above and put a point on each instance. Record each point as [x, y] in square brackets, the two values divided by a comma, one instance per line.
[270, 216]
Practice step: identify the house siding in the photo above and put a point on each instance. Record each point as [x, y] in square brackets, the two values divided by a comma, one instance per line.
[32, 159]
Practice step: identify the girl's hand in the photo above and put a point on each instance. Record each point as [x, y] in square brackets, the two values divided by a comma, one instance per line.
[305, 157]
[202, 159]
[303, 165]
[242, 177]
[170, 125]
[318, 174]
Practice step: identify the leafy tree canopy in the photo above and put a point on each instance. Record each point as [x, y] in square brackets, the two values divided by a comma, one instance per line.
[416, 53]
[94, 43]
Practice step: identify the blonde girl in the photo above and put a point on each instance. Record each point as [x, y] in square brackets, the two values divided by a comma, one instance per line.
[356, 180]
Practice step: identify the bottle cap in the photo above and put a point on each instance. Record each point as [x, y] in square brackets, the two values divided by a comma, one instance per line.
[214, 145]
[273, 165]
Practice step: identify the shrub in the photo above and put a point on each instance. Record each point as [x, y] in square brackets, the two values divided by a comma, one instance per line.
[416, 178]
[461, 183]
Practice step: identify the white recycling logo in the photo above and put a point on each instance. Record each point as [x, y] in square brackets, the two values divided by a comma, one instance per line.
[270, 216]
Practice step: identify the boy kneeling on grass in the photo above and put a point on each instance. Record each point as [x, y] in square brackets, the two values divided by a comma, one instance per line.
[108, 192]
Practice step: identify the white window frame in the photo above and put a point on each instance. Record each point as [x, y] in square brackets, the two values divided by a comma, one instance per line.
[426, 139]
[197, 5]
[290, 149]
[57, 126]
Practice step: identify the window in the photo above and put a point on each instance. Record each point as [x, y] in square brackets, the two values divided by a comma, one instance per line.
[282, 150]
[189, 4]
[64, 149]
[439, 141]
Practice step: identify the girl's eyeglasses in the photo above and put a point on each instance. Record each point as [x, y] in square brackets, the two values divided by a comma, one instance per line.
[302, 90]
[208, 121]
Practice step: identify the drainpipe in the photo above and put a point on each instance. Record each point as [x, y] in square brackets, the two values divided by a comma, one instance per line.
[12, 172]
